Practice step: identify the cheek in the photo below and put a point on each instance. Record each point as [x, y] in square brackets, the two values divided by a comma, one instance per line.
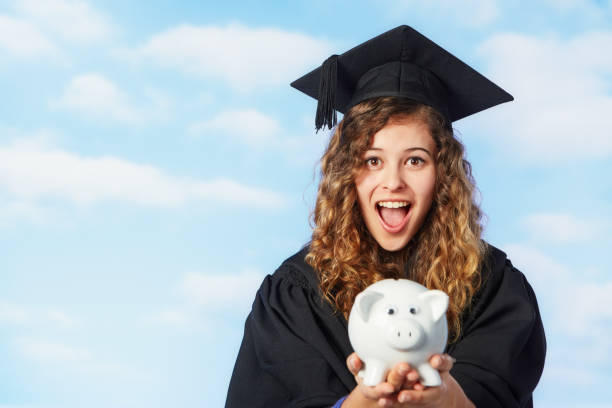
[364, 185]
[426, 187]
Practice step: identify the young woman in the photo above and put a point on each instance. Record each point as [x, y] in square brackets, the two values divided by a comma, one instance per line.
[395, 200]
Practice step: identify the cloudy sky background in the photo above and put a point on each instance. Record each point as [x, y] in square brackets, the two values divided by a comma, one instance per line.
[155, 165]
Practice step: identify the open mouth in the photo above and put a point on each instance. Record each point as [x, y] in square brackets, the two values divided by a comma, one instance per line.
[393, 214]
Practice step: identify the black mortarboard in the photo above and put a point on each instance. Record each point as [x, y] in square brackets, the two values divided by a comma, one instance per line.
[400, 62]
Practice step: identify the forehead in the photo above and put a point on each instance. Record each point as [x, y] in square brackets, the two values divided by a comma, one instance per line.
[403, 133]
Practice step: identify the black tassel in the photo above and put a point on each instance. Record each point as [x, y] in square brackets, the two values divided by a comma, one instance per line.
[326, 114]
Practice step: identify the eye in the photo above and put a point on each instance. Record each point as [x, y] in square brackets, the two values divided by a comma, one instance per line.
[391, 310]
[373, 162]
[415, 161]
[414, 310]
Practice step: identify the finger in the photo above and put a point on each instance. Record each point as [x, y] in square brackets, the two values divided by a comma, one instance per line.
[415, 396]
[354, 363]
[384, 389]
[385, 402]
[370, 392]
[397, 375]
[419, 387]
[408, 396]
[379, 391]
[412, 376]
[442, 362]
[404, 396]
[410, 379]
[375, 392]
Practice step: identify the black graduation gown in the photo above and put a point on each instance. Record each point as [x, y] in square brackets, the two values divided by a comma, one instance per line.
[294, 349]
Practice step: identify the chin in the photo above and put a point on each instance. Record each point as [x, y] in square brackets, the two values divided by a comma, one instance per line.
[393, 245]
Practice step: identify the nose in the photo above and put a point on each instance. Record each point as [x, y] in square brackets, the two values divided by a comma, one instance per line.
[393, 179]
[405, 335]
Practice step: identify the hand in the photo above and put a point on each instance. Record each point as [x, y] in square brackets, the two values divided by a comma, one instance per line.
[401, 376]
[448, 394]
[402, 389]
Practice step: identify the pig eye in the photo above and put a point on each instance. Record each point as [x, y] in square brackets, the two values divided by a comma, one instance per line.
[391, 310]
[414, 310]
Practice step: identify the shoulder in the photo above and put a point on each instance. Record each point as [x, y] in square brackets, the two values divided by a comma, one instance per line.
[497, 269]
[494, 263]
[503, 285]
[295, 271]
[293, 285]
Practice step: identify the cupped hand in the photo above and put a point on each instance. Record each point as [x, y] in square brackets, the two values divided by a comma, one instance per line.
[448, 394]
[402, 389]
[402, 376]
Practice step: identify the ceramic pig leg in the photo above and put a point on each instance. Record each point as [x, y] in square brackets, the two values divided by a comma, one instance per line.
[373, 373]
[430, 377]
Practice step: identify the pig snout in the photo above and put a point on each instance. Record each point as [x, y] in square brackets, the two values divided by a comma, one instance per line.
[405, 335]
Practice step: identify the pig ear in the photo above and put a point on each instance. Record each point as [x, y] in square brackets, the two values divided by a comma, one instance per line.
[437, 301]
[365, 301]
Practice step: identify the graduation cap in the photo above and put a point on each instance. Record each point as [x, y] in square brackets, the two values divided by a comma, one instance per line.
[401, 62]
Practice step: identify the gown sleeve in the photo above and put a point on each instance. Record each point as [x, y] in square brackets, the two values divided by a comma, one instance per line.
[293, 351]
[500, 354]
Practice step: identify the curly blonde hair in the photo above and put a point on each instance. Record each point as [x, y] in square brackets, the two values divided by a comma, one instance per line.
[446, 253]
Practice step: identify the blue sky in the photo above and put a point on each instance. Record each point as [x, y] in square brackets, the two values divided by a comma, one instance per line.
[155, 165]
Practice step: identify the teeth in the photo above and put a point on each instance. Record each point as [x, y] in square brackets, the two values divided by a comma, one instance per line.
[392, 204]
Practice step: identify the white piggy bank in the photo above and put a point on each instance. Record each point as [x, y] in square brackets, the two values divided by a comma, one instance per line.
[398, 320]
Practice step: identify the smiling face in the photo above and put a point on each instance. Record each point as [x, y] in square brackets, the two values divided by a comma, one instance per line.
[395, 186]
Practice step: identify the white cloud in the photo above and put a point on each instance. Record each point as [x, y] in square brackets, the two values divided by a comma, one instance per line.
[97, 96]
[161, 102]
[256, 131]
[172, 317]
[232, 291]
[15, 314]
[248, 126]
[561, 89]
[30, 171]
[244, 57]
[561, 227]
[59, 317]
[21, 38]
[578, 306]
[470, 13]
[203, 295]
[576, 314]
[542, 271]
[35, 27]
[13, 211]
[77, 359]
[587, 8]
[12, 313]
[560, 374]
[42, 350]
[591, 306]
[73, 20]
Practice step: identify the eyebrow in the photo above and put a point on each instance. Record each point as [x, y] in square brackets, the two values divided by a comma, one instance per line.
[410, 149]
